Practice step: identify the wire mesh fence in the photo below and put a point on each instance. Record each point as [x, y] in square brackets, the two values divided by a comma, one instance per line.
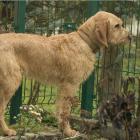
[50, 18]
[54, 17]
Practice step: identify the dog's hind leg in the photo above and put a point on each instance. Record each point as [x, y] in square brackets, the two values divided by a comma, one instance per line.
[63, 104]
[6, 92]
[10, 78]
[3, 125]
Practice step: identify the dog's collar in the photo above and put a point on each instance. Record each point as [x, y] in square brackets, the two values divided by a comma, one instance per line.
[88, 40]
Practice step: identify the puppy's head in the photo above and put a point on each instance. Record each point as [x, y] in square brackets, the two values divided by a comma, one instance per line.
[109, 30]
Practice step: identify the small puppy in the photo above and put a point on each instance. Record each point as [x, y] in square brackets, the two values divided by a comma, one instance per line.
[64, 60]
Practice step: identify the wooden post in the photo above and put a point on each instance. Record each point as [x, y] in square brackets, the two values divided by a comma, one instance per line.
[110, 78]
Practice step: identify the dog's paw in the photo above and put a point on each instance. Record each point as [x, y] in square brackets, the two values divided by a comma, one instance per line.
[71, 132]
[10, 132]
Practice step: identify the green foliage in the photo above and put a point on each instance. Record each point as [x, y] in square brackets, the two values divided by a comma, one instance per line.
[6, 15]
[49, 119]
[32, 119]
[49, 15]
[124, 9]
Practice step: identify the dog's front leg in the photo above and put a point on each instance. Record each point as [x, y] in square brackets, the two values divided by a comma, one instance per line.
[63, 104]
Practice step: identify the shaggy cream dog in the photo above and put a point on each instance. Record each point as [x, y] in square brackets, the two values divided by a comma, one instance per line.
[64, 60]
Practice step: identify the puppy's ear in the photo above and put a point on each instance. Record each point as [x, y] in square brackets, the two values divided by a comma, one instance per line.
[102, 33]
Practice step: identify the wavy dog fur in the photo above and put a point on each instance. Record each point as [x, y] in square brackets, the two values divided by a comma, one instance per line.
[64, 60]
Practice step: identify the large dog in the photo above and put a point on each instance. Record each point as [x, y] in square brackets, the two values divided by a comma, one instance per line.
[64, 60]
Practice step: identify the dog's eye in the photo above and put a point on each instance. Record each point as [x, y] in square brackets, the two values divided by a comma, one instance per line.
[117, 26]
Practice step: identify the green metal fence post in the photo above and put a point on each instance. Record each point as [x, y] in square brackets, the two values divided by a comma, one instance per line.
[87, 87]
[16, 101]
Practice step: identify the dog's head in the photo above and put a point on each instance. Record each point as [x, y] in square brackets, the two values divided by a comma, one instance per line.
[109, 29]
[105, 29]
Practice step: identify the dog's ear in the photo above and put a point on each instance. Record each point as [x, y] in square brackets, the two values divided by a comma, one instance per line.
[102, 32]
